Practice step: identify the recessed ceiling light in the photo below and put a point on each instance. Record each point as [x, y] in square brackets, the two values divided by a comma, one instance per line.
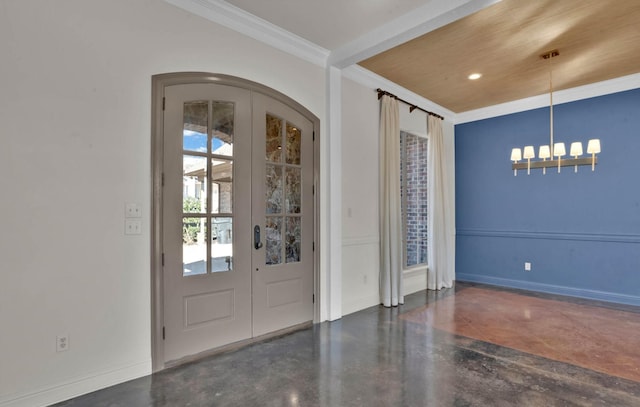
[475, 76]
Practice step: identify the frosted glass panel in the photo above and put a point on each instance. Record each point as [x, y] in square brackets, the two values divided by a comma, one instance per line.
[293, 190]
[294, 137]
[274, 139]
[283, 192]
[273, 239]
[293, 234]
[273, 189]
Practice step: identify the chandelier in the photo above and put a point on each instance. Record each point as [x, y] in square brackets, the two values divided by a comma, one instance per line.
[546, 153]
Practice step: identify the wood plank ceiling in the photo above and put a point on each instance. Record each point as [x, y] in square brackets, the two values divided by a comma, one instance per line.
[597, 40]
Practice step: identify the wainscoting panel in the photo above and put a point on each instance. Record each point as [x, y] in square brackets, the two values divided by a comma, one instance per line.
[597, 266]
[360, 265]
[360, 273]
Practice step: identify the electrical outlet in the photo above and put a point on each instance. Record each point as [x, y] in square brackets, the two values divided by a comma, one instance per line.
[527, 266]
[132, 227]
[62, 343]
[132, 210]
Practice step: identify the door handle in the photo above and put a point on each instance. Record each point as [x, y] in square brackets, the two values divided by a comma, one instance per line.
[257, 244]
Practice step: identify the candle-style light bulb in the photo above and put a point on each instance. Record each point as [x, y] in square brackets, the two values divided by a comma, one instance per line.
[559, 151]
[516, 155]
[544, 153]
[529, 153]
[575, 152]
[593, 148]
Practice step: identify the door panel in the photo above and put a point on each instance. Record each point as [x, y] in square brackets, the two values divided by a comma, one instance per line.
[207, 248]
[283, 209]
[238, 217]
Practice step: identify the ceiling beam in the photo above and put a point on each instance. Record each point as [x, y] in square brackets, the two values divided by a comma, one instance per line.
[431, 16]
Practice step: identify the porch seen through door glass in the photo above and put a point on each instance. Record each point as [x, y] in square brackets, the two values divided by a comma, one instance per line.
[207, 192]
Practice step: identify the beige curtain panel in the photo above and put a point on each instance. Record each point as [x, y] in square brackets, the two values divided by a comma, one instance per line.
[391, 290]
[441, 229]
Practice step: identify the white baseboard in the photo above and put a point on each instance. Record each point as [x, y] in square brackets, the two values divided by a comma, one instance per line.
[358, 304]
[415, 281]
[79, 386]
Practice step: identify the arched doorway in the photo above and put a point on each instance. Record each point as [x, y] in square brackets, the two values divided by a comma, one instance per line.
[235, 169]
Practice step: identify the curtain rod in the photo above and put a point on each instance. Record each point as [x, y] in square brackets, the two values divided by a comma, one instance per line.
[412, 107]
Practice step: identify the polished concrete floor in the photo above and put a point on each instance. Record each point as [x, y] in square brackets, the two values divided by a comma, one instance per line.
[450, 348]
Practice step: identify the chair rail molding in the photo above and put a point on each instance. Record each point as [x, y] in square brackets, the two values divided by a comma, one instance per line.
[547, 235]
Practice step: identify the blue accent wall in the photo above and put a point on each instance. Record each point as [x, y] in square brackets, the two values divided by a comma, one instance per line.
[581, 232]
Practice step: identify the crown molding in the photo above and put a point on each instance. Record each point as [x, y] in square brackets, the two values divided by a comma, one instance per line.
[607, 87]
[230, 16]
[369, 79]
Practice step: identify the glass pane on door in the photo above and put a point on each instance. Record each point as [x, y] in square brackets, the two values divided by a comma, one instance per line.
[222, 128]
[194, 246]
[293, 235]
[222, 186]
[207, 187]
[294, 138]
[273, 189]
[293, 195]
[194, 184]
[194, 133]
[283, 191]
[274, 139]
[221, 244]
[273, 240]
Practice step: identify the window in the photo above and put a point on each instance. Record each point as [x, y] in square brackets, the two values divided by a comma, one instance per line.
[413, 191]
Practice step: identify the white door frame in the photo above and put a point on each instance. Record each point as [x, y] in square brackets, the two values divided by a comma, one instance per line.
[159, 82]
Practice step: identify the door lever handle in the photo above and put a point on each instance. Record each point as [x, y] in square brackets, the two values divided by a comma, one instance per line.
[257, 244]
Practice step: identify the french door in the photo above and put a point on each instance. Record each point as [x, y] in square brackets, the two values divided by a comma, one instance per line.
[237, 217]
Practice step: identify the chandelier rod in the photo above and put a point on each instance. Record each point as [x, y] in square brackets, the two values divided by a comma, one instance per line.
[550, 111]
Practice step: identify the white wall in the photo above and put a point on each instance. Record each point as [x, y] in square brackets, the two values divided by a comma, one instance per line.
[75, 114]
[360, 252]
[360, 243]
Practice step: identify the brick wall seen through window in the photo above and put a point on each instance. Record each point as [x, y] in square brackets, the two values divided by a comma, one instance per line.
[413, 181]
